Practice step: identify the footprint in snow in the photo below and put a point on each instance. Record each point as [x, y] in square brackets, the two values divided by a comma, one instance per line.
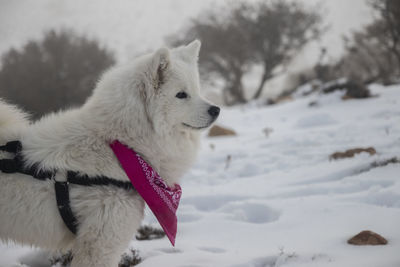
[170, 250]
[187, 217]
[250, 212]
[210, 202]
[315, 120]
[212, 249]
[269, 261]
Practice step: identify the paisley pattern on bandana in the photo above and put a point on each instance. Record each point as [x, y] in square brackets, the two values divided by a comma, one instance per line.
[171, 196]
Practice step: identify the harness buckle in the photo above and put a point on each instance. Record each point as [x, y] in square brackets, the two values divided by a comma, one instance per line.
[12, 147]
[60, 177]
[8, 165]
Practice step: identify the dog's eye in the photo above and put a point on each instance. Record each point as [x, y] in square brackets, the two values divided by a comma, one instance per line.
[181, 95]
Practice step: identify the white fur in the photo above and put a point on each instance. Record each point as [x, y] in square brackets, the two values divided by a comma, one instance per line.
[135, 104]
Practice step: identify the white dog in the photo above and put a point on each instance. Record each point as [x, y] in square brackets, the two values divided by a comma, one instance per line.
[153, 106]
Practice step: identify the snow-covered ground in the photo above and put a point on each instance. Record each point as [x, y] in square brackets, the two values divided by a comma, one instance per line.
[280, 201]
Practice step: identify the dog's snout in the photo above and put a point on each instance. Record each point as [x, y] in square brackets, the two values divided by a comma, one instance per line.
[214, 111]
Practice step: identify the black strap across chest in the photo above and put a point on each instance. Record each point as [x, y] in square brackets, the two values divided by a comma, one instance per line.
[16, 165]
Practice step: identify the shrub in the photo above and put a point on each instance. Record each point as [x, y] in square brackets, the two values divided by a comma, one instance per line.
[56, 72]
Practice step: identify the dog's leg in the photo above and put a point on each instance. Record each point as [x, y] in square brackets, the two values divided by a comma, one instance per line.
[106, 229]
[99, 254]
[99, 249]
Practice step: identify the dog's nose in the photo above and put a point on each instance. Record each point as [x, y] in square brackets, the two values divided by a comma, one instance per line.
[214, 111]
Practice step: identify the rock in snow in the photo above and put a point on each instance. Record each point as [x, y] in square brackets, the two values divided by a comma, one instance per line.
[351, 152]
[367, 238]
[220, 131]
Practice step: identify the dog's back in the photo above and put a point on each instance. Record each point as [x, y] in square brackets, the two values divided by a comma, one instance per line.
[20, 193]
[12, 121]
[11, 115]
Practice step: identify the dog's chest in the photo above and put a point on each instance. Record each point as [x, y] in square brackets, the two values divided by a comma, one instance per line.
[178, 160]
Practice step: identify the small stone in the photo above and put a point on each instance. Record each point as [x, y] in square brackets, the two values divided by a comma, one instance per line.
[267, 131]
[146, 232]
[313, 104]
[367, 238]
[220, 131]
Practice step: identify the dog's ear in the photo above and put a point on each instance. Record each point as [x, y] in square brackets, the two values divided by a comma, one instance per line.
[191, 52]
[160, 64]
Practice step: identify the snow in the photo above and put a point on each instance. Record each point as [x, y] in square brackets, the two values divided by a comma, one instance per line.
[281, 201]
[256, 200]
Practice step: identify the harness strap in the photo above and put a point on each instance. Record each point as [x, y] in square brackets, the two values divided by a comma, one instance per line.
[12, 147]
[76, 178]
[16, 165]
[61, 188]
[64, 206]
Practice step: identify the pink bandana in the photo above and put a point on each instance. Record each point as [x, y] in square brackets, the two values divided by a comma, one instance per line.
[161, 199]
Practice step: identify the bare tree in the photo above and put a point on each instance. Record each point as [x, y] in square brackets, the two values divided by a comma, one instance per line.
[372, 54]
[389, 24]
[222, 54]
[266, 33]
[57, 72]
[279, 30]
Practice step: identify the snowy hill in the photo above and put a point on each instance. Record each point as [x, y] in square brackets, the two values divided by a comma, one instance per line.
[280, 200]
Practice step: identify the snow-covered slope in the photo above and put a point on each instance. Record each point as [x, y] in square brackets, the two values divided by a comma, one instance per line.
[279, 200]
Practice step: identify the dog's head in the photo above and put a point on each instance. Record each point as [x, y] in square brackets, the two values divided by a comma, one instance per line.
[173, 93]
[163, 86]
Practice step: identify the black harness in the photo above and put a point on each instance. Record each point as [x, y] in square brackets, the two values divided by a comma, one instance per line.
[15, 165]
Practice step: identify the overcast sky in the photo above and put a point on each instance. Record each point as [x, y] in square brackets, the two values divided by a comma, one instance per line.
[126, 26]
[133, 26]
[342, 17]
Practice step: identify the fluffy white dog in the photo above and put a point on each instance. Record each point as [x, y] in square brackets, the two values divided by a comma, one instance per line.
[152, 105]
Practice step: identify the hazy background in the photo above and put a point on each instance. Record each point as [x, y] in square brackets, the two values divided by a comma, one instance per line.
[128, 28]
[132, 27]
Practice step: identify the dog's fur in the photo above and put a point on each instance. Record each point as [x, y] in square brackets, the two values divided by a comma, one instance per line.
[135, 104]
